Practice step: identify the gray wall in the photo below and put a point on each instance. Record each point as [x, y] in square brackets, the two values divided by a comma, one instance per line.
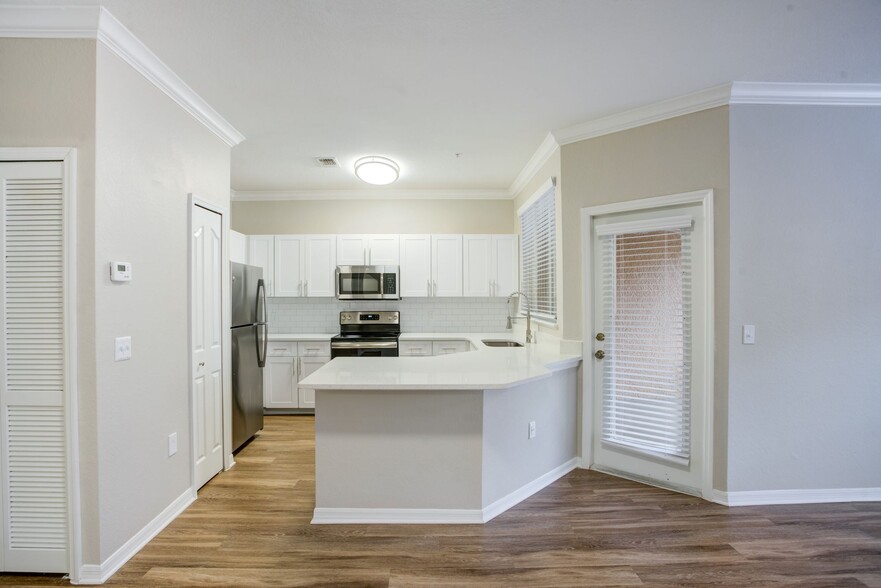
[805, 400]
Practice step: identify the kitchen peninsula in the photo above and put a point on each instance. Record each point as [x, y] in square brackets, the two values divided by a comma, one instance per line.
[456, 438]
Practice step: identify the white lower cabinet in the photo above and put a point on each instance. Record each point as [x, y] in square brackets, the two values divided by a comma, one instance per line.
[426, 348]
[287, 363]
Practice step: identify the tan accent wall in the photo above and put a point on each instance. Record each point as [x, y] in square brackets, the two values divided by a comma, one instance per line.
[373, 216]
[49, 101]
[682, 154]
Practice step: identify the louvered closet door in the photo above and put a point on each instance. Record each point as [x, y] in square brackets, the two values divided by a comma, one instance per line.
[32, 413]
[648, 401]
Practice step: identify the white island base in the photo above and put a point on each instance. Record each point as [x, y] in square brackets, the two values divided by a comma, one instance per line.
[442, 456]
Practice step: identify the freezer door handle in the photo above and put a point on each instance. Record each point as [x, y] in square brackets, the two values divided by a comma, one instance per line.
[262, 343]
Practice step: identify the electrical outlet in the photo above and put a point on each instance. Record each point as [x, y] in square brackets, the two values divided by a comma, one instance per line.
[532, 429]
[123, 348]
[172, 444]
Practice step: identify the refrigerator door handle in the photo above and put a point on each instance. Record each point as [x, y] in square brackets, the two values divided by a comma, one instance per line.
[262, 344]
[261, 302]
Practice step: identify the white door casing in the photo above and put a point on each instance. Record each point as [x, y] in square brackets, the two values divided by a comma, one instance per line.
[609, 295]
[207, 343]
[34, 462]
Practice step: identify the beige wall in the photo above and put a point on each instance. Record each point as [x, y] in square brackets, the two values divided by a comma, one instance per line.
[150, 155]
[678, 155]
[373, 216]
[49, 101]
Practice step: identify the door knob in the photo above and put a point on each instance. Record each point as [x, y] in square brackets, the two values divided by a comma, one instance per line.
[599, 354]
[201, 364]
[601, 336]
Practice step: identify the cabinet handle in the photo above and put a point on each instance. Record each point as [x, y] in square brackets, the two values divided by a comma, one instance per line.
[306, 288]
[435, 288]
[369, 255]
[429, 286]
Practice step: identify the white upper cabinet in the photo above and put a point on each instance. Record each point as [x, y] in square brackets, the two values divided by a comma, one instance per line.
[304, 265]
[489, 265]
[505, 259]
[320, 265]
[290, 255]
[446, 265]
[415, 266]
[368, 250]
[238, 247]
[261, 252]
[476, 271]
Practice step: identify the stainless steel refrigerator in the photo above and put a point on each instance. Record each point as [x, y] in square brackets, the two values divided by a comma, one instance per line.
[249, 341]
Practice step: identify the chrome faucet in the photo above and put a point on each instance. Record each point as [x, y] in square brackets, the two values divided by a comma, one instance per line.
[530, 337]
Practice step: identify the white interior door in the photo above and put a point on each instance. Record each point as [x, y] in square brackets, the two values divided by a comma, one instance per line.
[33, 459]
[207, 337]
[649, 292]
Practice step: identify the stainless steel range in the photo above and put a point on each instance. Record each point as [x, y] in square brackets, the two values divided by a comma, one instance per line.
[367, 334]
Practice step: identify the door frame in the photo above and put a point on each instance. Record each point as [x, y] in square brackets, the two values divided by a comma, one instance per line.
[68, 158]
[194, 200]
[705, 199]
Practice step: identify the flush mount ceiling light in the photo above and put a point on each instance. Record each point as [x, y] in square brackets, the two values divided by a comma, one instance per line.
[377, 170]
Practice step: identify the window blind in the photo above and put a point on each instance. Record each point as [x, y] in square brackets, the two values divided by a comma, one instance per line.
[646, 292]
[538, 256]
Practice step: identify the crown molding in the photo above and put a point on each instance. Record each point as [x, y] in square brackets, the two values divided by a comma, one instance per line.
[369, 194]
[95, 22]
[805, 94]
[644, 115]
[538, 159]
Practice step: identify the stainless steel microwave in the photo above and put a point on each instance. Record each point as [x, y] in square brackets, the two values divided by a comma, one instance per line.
[367, 282]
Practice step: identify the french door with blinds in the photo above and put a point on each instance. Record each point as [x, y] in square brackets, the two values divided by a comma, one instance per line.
[649, 364]
[33, 453]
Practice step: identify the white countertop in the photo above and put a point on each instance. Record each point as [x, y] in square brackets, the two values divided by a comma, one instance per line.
[485, 368]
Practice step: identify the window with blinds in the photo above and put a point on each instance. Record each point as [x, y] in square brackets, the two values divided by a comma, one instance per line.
[538, 256]
[647, 320]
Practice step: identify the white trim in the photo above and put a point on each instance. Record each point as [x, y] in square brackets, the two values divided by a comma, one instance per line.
[95, 22]
[369, 194]
[705, 198]
[671, 223]
[98, 574]
[541, 156]
[68, 158]
[810, 496]
[805, 94]
[440, 516]
[546, 186]
[644, 115]
[517, 496]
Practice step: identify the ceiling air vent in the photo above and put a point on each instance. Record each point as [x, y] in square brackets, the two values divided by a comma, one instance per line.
[326, 162]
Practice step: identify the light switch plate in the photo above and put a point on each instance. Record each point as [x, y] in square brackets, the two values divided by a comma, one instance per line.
[172, 444]
[123, 349]
[749, 334]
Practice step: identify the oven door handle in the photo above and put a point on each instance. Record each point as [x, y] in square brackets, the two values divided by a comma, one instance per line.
[364, 345]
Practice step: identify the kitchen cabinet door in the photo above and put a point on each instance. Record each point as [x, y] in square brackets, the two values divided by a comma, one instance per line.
[307, 366]
[476, 265]
[280, 383]
[448, 347]
[446, 265]
[505, 265]
[383, 250]
[320, 265]
[261, 252]
[238, 247]
[352, 249]
[415, 254]
[290, 258]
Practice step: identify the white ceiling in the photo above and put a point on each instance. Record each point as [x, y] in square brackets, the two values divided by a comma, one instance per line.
[422, 80]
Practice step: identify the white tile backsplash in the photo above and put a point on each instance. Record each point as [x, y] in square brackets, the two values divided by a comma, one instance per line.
[423, 315]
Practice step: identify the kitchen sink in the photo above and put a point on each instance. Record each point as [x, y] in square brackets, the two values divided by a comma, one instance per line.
[501, 343]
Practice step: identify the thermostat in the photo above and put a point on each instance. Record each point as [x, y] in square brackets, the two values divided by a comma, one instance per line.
[120, 271]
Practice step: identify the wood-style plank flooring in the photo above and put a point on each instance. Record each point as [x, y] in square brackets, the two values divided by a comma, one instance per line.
[250, 527]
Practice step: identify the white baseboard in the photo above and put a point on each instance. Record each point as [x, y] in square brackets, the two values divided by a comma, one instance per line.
[439, 516]
[765, 497]
[517, 496]
[98, 574]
